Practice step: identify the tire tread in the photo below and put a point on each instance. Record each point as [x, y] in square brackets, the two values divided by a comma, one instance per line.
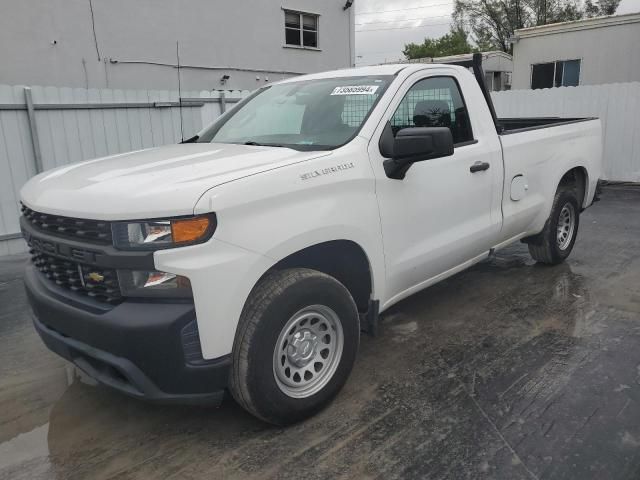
[541, 249]
[272, 285]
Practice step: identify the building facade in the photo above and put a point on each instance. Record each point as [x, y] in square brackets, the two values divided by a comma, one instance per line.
[585, 52]
[135, 44]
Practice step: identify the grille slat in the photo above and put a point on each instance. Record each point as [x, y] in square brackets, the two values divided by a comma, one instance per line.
[68, 275]
[93, 231]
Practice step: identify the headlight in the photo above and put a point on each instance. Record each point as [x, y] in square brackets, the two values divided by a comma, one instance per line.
[157, 234]
[141, 283]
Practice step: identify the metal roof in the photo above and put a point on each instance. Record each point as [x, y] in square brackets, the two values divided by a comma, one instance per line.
[372, 70]
[584, 24]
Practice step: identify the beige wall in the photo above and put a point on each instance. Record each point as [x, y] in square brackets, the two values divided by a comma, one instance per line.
[608, 54]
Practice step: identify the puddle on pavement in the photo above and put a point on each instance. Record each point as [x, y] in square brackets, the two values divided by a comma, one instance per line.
[32, 447]
[506, 294]
[25, 448]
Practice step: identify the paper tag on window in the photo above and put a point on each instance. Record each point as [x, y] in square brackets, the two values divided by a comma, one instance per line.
[355, 90]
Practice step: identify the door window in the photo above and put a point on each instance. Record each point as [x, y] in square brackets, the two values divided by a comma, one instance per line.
[434, 102]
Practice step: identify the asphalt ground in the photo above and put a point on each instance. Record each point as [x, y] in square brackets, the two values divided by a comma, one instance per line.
[508, 370]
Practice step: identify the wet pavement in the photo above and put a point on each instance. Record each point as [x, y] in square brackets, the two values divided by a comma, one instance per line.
[509, 370]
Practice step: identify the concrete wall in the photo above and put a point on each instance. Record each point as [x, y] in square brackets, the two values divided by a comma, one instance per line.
[51, 42]
[608, 50]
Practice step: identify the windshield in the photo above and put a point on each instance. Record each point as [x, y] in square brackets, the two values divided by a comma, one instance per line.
[307, 115]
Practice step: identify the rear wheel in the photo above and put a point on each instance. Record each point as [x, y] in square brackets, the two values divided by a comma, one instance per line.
[554, 244]
[295, 346]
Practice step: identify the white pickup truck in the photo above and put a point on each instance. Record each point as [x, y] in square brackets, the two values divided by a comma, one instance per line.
[250, 257]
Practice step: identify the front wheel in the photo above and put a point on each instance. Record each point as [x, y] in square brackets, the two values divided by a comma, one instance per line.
[554, 244]
[295, 346]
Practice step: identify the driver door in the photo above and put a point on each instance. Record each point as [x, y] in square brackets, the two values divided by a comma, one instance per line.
[441, 215]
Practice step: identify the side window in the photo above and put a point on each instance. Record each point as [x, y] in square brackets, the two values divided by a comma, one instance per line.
[434, 102]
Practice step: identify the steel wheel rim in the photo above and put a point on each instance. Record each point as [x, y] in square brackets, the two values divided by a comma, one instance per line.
[308, 351]
[566, 226]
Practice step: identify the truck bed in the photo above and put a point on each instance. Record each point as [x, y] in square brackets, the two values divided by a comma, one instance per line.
[521, 124]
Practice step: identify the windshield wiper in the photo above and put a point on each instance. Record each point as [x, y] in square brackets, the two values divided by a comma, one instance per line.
[193, 139]
[258, 144]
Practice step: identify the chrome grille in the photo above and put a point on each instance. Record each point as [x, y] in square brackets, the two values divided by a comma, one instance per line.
[93, 231]
[98, 283]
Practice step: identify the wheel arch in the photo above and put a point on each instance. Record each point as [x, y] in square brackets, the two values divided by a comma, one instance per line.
[578, 179]
[345, 260]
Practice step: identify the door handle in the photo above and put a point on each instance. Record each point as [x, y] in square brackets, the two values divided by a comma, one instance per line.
[479, 167]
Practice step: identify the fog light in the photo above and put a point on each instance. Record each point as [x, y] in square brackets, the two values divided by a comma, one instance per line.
[153, 284]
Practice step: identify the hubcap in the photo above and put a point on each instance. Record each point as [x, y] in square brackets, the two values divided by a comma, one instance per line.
[308, 351]
[566, 226]
[302, 349]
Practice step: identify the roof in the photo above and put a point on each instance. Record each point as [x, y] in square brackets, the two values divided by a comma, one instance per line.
[459, 58]
[494, 61]
[576, 25]
[372, 70]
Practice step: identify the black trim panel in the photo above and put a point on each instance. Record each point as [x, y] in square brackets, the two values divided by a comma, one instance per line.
[85, 230]
[464, 144]
[136, 348]
[557, 122]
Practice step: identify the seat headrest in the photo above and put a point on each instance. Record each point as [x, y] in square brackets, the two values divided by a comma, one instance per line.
[432, 113]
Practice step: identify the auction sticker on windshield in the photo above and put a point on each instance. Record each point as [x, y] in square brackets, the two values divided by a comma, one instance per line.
[355, 90]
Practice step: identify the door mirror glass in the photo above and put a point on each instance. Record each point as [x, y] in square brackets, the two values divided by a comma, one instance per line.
[415, 145]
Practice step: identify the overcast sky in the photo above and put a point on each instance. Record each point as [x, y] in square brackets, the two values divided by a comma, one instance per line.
[383, 27]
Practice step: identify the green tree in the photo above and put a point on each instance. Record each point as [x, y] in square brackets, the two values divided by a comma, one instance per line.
[600, 7]
[453, 43]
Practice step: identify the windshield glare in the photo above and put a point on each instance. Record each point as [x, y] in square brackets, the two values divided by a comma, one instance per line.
[307, 115]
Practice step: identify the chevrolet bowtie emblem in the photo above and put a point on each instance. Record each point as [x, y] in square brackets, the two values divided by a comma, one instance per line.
[96, 277]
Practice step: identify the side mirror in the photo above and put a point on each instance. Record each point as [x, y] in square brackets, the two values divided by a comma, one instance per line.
[412, 145]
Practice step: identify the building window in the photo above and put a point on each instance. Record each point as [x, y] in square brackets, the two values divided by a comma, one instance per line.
[562, 73]
[301, 29]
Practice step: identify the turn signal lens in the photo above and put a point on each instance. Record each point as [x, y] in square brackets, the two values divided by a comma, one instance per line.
[190, 229]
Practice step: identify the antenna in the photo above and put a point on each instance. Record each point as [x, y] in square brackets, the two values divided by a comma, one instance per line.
[179, 91]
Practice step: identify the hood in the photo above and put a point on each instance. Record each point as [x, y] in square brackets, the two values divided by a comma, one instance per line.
[152, 183]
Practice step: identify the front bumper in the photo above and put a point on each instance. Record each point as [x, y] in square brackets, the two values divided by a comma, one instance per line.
[149, 350]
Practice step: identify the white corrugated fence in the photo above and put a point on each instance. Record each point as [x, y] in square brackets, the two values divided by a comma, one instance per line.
[74, 124]
[616, 104]
[68, 125]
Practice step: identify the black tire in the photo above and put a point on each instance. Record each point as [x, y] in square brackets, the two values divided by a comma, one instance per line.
[545, 247]
[271, 304]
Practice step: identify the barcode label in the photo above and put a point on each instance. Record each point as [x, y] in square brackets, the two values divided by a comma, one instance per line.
[355, 90]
